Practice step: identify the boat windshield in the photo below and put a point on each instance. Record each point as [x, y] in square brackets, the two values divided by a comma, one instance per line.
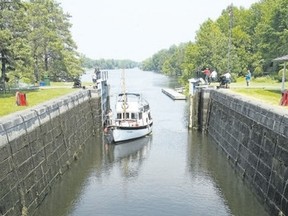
[128, 97]
[127, 115]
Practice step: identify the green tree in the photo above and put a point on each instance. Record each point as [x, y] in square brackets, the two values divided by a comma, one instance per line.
[54, 50]
[15, 51]
[212, 47]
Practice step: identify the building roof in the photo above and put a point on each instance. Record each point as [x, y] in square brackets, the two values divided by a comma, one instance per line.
[282, 58]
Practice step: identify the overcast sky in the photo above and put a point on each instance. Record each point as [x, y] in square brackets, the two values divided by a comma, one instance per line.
[137, 29]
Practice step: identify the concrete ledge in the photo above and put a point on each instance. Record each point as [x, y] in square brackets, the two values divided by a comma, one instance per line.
[173, 94]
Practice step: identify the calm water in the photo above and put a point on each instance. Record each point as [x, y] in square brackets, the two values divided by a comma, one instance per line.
[172, 172]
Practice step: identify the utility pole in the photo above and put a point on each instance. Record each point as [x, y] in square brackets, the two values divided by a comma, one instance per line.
[3, 73]
[230, 36]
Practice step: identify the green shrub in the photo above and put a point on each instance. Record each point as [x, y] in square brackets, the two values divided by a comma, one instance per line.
[263, 79]
[280, 75]
[257, 72]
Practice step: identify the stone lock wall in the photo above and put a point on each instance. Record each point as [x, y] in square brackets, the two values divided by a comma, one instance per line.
[254, 136]
[37, 146]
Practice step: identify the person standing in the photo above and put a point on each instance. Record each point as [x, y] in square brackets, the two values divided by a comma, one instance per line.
[213, 76]
[207, 75]
[248, 77]
[94, 79]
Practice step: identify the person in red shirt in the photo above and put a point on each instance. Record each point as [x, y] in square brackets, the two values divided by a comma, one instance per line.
[207, 75]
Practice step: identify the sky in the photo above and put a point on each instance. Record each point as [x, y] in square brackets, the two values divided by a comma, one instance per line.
[137, 29]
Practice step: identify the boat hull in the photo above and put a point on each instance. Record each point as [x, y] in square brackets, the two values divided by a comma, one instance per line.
[128, 133]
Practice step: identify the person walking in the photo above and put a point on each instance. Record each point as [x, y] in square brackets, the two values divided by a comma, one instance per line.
[248, 77]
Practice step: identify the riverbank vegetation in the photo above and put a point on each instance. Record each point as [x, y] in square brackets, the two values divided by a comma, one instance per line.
[238, 40]
[108, 64]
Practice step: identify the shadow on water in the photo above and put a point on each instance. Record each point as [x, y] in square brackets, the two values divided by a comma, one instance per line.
[207, 161]
[69, 190]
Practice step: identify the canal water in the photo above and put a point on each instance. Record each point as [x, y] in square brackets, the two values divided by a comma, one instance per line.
[174, 171]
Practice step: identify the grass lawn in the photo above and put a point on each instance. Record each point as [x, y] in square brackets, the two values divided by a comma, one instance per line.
[34, 97]
[272, 97]
[265, 90]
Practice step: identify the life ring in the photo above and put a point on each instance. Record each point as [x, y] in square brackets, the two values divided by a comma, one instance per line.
[125, 106]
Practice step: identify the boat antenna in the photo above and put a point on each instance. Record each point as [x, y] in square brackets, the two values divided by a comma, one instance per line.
[124, 106]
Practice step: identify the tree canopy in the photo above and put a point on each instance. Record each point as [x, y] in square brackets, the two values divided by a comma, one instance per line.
[35, 41]
[239, 39]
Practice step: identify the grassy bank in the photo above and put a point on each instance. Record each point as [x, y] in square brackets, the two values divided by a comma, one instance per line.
[272, 97]
[34, 97]
[261, 89]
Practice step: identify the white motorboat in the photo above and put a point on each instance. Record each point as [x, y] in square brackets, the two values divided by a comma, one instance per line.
[133, 118]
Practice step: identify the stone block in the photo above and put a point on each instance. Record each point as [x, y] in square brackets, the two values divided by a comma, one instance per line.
[38, 157]
[10, 203]
[253, 160]
[284, 206]
[28, 182]
[4, 152]
[254, 148]
[269, 142]
[282, 155]
[277, 181]
[7, 183]
[52, 158]
[35, 135]
[49, 148]
[244, 152]
[22, 155]
[18, 143]
[63, 107]
[31, 120]
[29, 196]
[3, 136]
[60, 145]
[5, 167]
[4, 186]
[71, 102]
[261, 182]
[25, 168]
[264, 170]
[279, 127]
[53, 110]
[266, 157]
[277, 198]
[14, 127]
[36, 145]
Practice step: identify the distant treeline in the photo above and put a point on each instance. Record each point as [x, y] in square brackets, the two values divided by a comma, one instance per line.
[108, 63]
[238, 40]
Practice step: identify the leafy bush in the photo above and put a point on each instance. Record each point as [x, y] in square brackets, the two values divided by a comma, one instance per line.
[263, 79]
[257, 72]
[280, 75]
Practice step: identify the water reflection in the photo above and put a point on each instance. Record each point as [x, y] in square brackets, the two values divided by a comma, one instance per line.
[208, 168]
[128, 156]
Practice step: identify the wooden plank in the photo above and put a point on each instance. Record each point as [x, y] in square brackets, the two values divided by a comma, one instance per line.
[173, 94]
